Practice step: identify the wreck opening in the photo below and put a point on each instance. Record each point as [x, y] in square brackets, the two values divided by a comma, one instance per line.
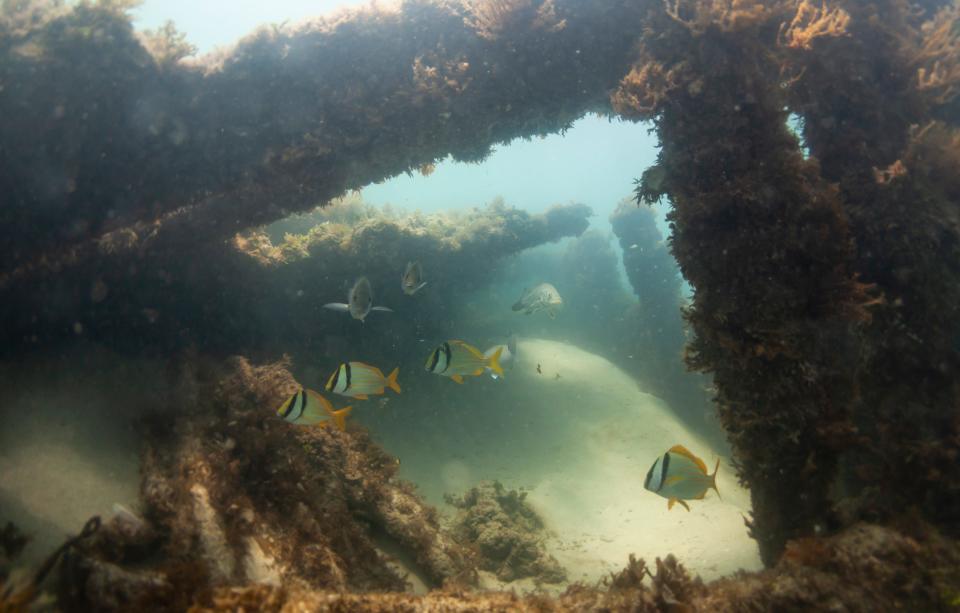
[824, 285]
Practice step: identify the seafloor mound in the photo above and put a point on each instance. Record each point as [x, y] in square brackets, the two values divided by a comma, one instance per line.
[507, 534]
[826, 273]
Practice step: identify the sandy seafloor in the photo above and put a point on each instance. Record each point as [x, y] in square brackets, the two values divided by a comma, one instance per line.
[69, 448]
[580, 444]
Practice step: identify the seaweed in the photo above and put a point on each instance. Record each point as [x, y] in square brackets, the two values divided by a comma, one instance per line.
[825, 276]
[167, 147]
[233, 496]
[505, 532]
[167, 304]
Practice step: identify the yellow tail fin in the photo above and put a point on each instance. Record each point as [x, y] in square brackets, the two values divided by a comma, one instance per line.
[392, 380]
[340, 418]
[493, 362]
[713, 479]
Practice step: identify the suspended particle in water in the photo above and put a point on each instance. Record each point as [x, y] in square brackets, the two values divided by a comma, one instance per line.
[99, 291]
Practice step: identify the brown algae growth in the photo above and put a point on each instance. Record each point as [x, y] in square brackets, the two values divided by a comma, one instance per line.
[824, 275]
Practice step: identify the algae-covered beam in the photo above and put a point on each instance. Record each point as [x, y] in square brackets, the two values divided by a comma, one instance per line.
[897, 171]
[227, 295]
[764, 242]
[105, 146]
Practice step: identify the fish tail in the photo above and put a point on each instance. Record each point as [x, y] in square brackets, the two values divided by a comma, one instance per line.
[493, 362]
[713, 479]
[392, 380]
[340, 418]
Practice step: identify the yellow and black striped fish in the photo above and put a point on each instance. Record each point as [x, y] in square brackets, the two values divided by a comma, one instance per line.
[678, 476]
[357, 380]
[308, 408]
[455, 359]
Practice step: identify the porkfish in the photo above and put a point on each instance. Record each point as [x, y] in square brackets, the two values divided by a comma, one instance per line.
[308, 408]
[455, 359]
[678, 475]
[358, 380]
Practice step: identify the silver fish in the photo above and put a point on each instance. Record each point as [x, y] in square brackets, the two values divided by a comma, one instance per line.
[359, 301]
[543, 297]
[508, 355]
[411, 281]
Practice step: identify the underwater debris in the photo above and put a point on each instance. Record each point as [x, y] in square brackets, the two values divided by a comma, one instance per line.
[12, 542]
[288, 506]
[865, 568]
[19, 598]
[505, 532]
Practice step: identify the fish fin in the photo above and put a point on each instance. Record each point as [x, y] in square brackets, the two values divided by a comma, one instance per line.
[493, 362]
[417, 288]
[686, 452]
[512, 345]
[670, 503]
[457, 378]
[382, 308]
[392, 380]
[713, 479]
[360, 396]
[326, 403]
[472, 350]
[313, 414]
[337, 306]
[340, 418]
[685, 505]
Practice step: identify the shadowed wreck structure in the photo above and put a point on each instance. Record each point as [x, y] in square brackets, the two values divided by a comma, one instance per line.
[825, 272]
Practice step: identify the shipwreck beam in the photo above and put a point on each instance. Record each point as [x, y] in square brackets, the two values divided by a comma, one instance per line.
[118, 149]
